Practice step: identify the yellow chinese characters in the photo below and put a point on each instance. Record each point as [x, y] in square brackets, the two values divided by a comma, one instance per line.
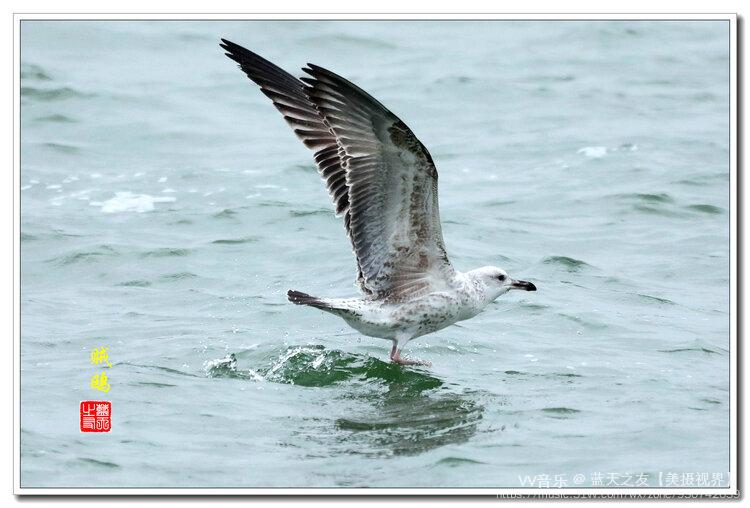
[100, 355]
[100, 382]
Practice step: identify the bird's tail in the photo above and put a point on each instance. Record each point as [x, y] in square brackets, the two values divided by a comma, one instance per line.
[332, 305]
[300, 298]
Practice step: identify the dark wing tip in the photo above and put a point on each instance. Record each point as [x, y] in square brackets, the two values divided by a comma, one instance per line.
[317, 71]
[233, 51]
[229, 45]
[237, 52]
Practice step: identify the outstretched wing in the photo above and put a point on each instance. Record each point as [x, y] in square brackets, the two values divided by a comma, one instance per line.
[391, 209]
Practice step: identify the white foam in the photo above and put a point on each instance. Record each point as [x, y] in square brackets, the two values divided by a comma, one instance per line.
[595, 152]
[55, 186]
[162, 179]
[129, 202]
[318, 361]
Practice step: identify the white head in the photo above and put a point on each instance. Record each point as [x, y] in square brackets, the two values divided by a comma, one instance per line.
[497, 282]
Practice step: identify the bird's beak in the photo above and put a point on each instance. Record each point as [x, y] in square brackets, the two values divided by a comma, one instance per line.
[522, 284]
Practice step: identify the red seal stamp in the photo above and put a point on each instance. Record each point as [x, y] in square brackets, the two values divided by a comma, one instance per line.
[96, 416]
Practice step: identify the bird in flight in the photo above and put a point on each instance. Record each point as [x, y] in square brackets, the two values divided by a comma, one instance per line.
[384, 184]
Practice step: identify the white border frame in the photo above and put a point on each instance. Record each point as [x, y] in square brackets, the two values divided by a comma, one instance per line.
[731, 490]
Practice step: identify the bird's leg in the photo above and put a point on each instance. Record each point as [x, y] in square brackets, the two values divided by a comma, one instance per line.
[397, 358]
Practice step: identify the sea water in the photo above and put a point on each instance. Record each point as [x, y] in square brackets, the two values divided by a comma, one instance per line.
[166, 209]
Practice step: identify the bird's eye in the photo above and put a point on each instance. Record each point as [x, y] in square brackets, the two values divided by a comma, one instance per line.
[501, 278]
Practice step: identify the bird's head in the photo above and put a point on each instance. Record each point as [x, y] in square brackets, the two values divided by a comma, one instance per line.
[498, 282]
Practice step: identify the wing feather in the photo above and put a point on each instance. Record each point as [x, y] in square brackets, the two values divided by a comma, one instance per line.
[393, 194]
[380, 176]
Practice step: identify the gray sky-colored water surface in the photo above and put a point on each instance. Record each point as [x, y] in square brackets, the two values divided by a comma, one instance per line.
[167, 208]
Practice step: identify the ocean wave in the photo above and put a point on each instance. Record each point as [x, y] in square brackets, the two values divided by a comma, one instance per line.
[124, 202]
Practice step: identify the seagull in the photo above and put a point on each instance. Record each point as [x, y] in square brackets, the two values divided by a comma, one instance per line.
[384, 184]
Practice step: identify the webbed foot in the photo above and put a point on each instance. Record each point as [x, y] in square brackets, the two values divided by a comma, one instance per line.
[398, 359]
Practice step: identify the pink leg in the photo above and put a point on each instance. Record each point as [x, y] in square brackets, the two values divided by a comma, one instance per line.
[396, 358]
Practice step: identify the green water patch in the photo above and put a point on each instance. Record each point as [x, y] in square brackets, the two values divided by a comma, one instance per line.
[503, 202]
[308, 213]
[651, 210]
[315, 366]
[707, 209]
[62, 148]
[236, 241]
[654, 198]
[226, 213]
[165, 252]
[56, 118]
[560, 412]
[34, 72]
[704, 180]
[84, 256]
[657, 203]
[138, 283]
[172, 277]
[570, 264]
[533, 306]
[51, 94]
[457, 462]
